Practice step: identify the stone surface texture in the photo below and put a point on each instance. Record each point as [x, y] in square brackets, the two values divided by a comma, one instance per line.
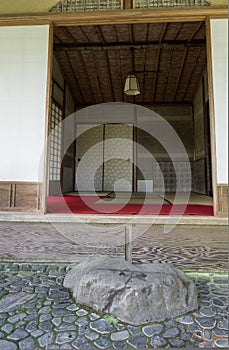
[134, 294]
[75, 328]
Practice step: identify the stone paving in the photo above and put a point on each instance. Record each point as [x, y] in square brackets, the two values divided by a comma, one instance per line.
[37, 312]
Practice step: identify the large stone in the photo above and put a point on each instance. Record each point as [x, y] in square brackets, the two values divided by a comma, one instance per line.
[134, 294]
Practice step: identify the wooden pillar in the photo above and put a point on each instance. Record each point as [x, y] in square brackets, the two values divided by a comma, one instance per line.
[128, 243]
[128, 4]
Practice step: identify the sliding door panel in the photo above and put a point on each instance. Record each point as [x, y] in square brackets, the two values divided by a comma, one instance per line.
[118, 158]
[89, 138]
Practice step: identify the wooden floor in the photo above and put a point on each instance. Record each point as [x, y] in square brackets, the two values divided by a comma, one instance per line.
[188, 247]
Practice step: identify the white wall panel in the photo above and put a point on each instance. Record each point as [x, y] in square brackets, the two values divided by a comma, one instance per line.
[23, 79]
[219, 42]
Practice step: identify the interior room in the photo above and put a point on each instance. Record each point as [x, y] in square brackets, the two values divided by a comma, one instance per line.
[159, 66]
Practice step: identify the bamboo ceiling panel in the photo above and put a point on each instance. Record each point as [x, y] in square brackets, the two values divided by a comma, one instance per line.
[98, 5]
[95, 61]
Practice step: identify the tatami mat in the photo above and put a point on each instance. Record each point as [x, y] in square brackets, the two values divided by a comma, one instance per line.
[152, 198]
[168, 198]
[134, 198]
[194, 198]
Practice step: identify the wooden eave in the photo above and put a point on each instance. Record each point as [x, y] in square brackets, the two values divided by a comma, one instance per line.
[117, 16]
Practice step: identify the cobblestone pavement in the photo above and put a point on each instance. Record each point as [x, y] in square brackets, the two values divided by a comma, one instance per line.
[37, 312]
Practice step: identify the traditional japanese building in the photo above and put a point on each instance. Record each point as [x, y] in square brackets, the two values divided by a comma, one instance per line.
[57, 58]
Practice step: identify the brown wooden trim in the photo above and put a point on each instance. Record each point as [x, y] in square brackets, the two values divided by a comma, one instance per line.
[211, 114]
[19, 183]
[45, 188]
[206, 134]
[10, 201]
[117, 16]
[39, 197]
[62, 137]
[25, 21]
[128, 4]
[19, 196]
[222, 198]
[13, 195]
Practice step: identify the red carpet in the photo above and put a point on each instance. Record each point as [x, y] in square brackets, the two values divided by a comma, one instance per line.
[76, 205]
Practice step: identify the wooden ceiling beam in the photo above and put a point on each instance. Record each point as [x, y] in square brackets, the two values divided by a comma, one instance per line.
[85, 71]
[74, 76]
[56, 38]
[68, 34]
[187, 74]
[180, 73]
[196, 76]
[163, 32]
[100, 34]
[191, 75]
[131, 34]
[95, 68]
[195, 31]
[127, 46]
[109, 75]
[170, 68]
[146, 104]
[156, 78]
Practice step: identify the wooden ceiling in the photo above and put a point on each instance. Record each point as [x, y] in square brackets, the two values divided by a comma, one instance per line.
[95, 60]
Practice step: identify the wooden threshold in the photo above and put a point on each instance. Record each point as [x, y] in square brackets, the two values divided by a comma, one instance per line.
[110, 219]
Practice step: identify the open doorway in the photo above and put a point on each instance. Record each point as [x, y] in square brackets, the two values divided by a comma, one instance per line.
[91, 64]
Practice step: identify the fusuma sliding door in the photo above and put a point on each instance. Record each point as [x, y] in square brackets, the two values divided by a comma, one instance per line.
[105, 148]
[118, 158]
[89, 149]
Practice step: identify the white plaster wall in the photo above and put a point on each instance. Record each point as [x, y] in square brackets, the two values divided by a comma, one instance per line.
[23, 79]
[219, 41]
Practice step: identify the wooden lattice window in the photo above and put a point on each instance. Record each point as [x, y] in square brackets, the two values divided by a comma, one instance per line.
[55, 142]
[87, 5]
[170, 3]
